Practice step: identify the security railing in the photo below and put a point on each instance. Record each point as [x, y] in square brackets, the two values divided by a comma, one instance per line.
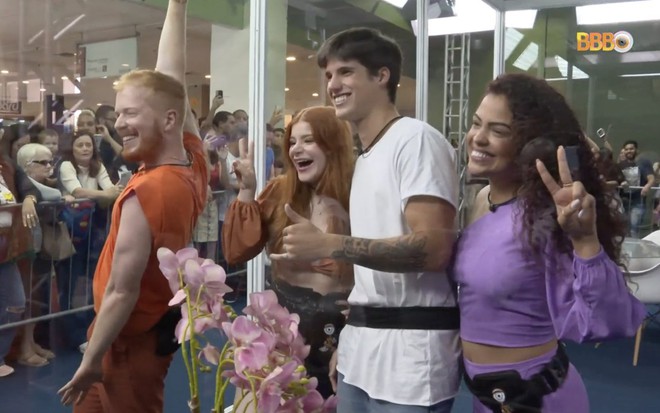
[57, 259]
[640, 210]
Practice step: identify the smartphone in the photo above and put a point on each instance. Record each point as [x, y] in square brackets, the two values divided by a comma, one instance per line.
[573, 160]
[217, 141]
[98, 138]
[219, 94]
[124, 177]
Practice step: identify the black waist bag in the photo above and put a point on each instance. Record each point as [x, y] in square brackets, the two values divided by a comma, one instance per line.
[507, 392]
[166, 341]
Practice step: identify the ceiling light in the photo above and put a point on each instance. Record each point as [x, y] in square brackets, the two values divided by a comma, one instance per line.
[99, 104]
[630, 57]
[208, 76]
[528, 57]
[291, 59]
[65, 77]
[640, 75]
[4, 72]
[315, 94]
[398, 85]
[397, 3]
[512, 38]
[562, 65]
[476, 16]
[125, 65]
[43, 89]
[286, 89]
[26, 82]
[68, 26]
[634, 11]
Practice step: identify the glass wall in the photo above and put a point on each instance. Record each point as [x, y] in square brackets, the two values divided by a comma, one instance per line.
[308, 25]
[616, 88]
[58, 63]
[605, 59]
[59, 59]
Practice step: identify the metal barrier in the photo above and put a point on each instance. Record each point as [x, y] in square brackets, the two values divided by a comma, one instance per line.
[61, 287]
[639, 210]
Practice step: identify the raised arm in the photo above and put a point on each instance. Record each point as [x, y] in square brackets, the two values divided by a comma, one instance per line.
[172, 53]
[172, 46]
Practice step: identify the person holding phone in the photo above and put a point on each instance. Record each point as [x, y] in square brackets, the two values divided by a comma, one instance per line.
[538, 261]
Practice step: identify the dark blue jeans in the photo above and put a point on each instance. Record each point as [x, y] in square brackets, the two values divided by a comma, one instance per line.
[355, 400]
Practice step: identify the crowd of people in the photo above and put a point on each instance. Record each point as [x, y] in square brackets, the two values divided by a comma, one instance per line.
[395, 301]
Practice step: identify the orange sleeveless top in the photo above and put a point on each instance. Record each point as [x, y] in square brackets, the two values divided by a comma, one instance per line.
[172, 197]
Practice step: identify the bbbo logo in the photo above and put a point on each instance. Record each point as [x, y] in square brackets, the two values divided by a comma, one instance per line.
[604, 42]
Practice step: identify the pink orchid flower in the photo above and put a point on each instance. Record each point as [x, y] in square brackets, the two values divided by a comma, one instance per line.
[210, 354]
[270, 391]
[251, 358]
[214, 280]
[193, 275]
[312, 401]
[264, 307]
[201, 323]
[169, 266]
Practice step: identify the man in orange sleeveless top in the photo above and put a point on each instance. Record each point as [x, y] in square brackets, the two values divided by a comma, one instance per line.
[158, 208]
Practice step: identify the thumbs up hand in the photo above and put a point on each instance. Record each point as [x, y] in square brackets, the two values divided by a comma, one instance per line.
[303, 241]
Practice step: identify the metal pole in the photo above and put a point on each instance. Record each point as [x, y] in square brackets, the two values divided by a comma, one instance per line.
[498, 46]
[257, 120]
[422, 58]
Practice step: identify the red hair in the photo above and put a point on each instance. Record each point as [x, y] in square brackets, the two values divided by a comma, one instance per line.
[334, 138]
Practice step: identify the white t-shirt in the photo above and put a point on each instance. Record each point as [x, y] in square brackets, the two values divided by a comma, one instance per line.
[71, 180]
[410, 367]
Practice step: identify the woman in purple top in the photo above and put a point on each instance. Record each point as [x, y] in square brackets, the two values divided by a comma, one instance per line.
[539, 259]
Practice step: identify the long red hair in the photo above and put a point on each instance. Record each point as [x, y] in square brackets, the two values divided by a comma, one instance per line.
[334, 138]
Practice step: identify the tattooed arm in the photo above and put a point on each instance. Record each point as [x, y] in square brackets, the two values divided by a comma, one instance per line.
[427, 248]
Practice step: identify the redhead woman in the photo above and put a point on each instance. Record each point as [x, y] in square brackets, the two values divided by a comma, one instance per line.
[317, 185]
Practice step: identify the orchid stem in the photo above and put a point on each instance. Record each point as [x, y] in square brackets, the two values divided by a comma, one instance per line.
[190, 325]
[184, 351]
[220, 390]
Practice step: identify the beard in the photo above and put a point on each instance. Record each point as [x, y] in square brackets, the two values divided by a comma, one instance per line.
[146, 148]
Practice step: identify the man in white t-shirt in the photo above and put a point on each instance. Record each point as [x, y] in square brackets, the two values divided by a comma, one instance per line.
[399, 351]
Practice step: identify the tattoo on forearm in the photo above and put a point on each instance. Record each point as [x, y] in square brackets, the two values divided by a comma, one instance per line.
[407, 254]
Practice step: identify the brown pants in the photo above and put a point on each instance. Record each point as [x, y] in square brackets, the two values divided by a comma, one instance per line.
[133, 378]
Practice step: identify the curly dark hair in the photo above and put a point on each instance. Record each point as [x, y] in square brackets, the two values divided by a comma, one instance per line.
[543, 121]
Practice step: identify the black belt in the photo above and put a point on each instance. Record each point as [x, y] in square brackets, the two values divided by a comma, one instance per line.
[506, 391]
[406, 318]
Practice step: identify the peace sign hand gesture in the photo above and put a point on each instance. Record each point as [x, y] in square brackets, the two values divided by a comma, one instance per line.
[244, 166]
[576, 209]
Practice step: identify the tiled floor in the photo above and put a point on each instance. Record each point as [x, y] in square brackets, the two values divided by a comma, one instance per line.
[614, 385]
